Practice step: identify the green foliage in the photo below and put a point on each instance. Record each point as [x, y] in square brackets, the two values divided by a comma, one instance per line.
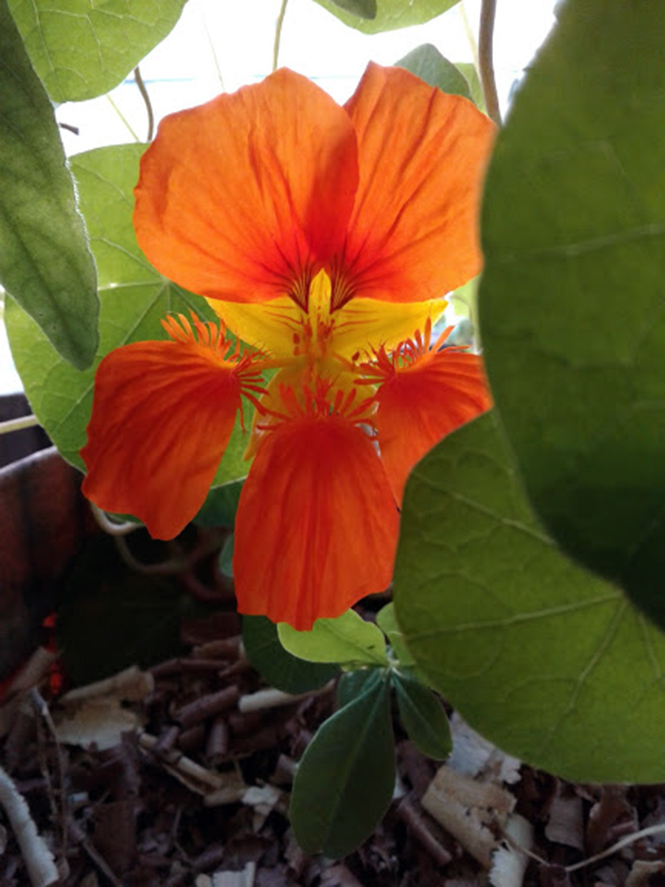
[423, 717]
[427, 63]
[134, 299]
[390, 14]
[45, 263]
[346, 777]
[546, 660]
[361, 8]
[275, 664]
[81, 50]
[354, 683]
[348, 639]
[571, 319]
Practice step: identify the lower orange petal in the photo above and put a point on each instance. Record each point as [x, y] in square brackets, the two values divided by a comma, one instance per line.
[421, 403]
[162, 416]
[317, 526]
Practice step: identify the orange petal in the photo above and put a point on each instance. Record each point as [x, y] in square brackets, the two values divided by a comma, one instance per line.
[421, 403]
[316, 528]
[413, 234]
[162, 416]
[244, 197]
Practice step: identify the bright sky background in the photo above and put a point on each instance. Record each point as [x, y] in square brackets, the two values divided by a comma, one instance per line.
[220, 45]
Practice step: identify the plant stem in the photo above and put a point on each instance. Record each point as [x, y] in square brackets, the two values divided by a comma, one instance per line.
[278, 34]
[148, 104]
[18, 424]
[486, 65]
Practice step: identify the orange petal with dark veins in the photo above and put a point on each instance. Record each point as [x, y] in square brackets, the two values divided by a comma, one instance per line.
[162, 416]
[317, 525]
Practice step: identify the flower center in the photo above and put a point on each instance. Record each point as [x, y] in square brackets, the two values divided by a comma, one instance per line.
[314, 339]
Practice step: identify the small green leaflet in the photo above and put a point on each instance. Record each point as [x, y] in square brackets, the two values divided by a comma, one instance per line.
[279, 668]
[345, 640]
[423, 717]
[346, 778]
[82, 49]
[45, 263]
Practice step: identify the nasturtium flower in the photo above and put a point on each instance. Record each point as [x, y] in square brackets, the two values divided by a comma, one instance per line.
[325, 238]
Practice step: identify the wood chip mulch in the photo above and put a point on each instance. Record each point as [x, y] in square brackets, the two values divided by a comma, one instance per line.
[181, 776]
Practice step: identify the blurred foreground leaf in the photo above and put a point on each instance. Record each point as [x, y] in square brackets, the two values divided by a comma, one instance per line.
[45, 263]
[546, 660]
[571, 296]
[346, 777]
[82, 49]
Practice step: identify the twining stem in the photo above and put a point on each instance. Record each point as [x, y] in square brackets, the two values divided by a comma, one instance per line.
[486, 64]
[278, 34]
[18, 424]
[148, 104]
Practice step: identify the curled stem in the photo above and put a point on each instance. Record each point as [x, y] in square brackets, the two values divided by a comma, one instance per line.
[148, 104]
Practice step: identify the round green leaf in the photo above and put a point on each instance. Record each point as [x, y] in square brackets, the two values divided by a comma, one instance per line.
[82, 49]
[423, 717]
[346, 778]
[390, 14]
[427, 63]
[45, 263]
[134, 299]
[548, 661]
[275, 664]
[348, 639]
[571, 296]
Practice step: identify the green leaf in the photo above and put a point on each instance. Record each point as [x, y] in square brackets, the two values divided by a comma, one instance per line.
[470, 73]
[220, 506]
[45, 263]
[571, 296]
[353, 684]
[423, 717]
[134, 299]
[390, 14]
[427, 63]
[82, 49]
[346, 640]
[346, 778]
[361, 8]
[387, 622]
[275, 664]
[546, 660]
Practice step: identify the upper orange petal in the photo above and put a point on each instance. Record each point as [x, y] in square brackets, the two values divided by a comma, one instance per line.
[317, 525]
[421, 403]
[162, 416]
[413, 233]
[245, 197]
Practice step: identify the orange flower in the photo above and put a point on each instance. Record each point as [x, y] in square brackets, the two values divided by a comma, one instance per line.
[323, 237]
